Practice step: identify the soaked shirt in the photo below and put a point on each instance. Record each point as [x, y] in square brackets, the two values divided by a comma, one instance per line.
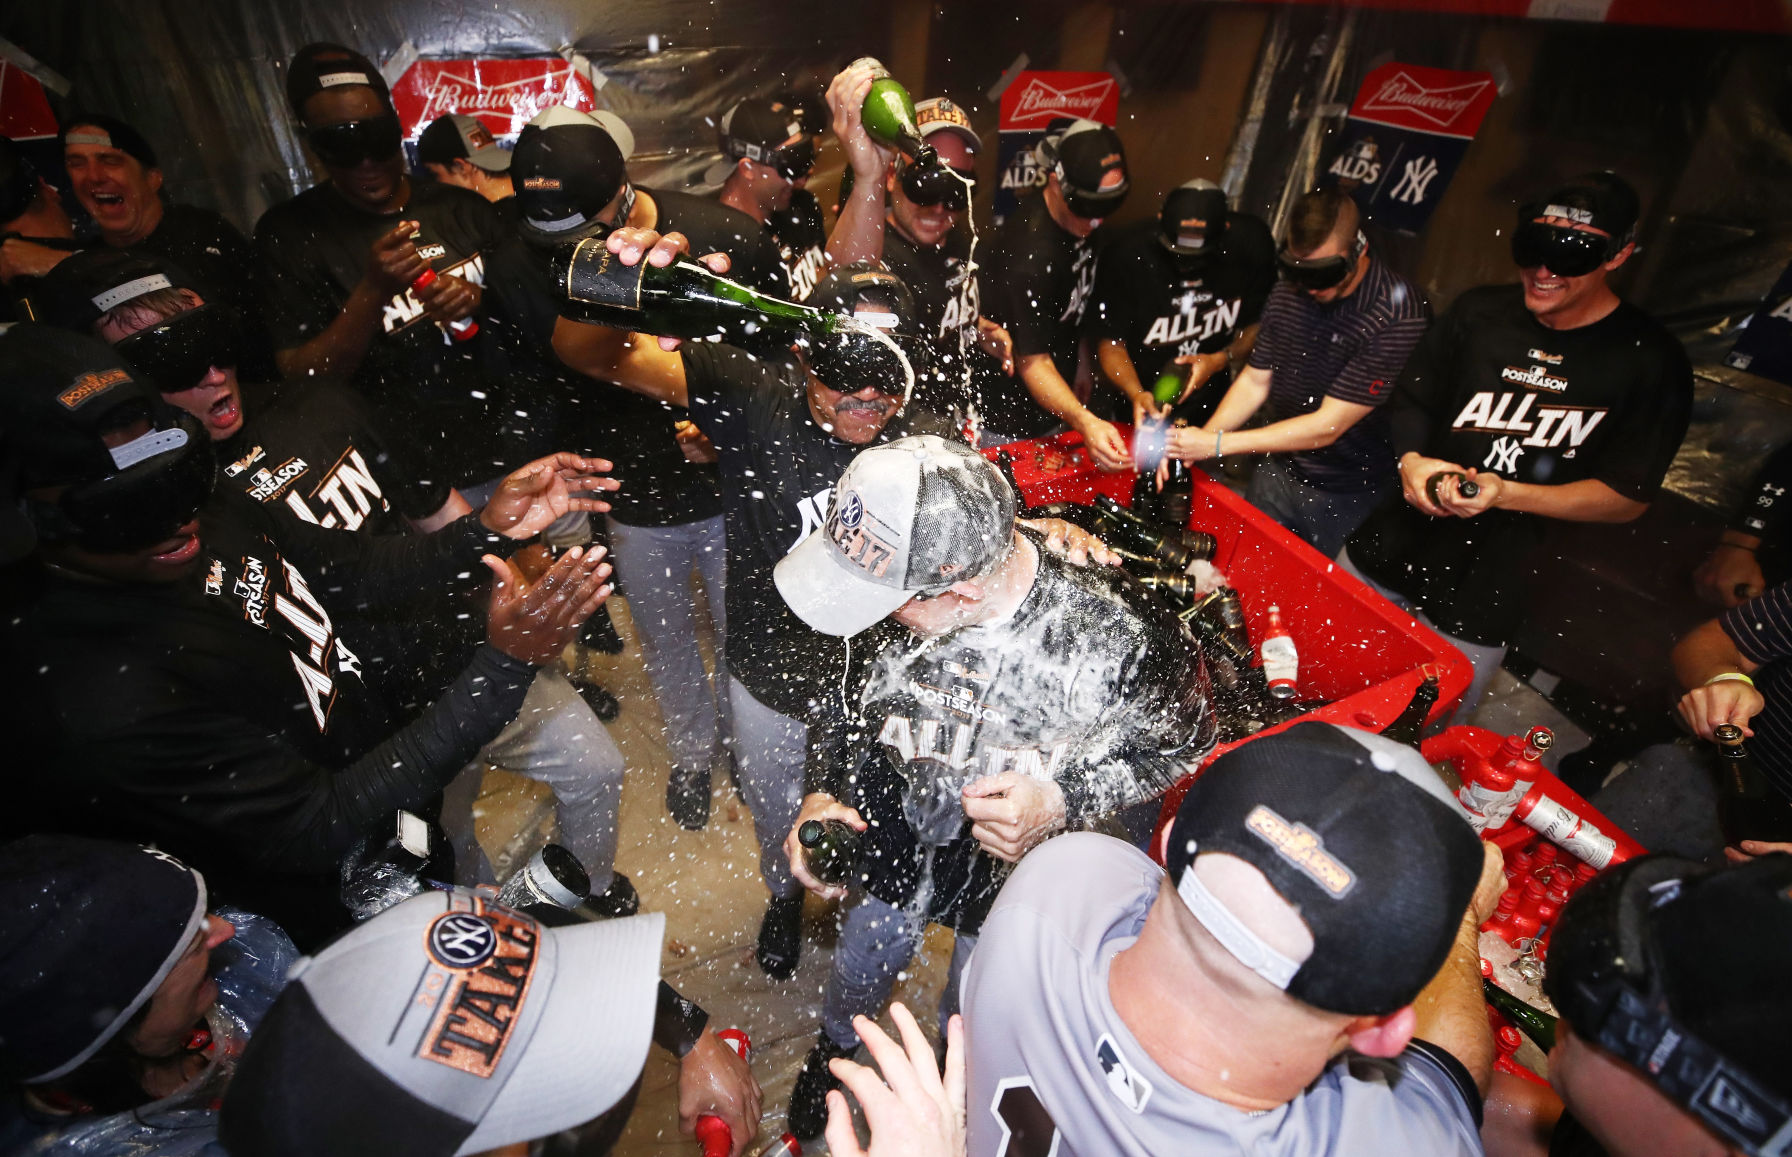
[1089, 683]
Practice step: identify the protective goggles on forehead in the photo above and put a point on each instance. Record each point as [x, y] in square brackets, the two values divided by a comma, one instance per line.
[1605, 980]
[937, 185]
[1568, 252]
[1320, 273]
[348, 144]
[142, 503]
[792, 161]
[177, 353]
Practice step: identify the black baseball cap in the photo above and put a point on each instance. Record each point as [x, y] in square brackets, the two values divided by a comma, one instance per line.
[1090, 163]
[18, 182]
[566, 167]
[1193, 219]
[879, 299]
[60, 394]
[89, 929]
[92, 282]
[112, 133]
[1359, 835]
[456, 137]
[320, 66]
[1679, 970]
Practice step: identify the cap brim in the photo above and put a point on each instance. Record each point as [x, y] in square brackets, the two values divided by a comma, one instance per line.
[592, 1038]
[718, 171]
[828, 593]
[492, 159]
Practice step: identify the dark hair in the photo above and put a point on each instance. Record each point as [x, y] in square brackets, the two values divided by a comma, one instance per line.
[1314, 218]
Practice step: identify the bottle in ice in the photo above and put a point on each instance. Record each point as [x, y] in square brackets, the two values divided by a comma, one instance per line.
[1173, 546]
[1748, 805]
[831, 849]
[682, 299]
[889, 115]
[1281, 662]
[1409, 726]
[1535, 1023]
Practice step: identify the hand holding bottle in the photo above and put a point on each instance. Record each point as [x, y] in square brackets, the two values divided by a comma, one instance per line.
[819, 807]
[714, 1081]
[1726, 701]
[846, 101]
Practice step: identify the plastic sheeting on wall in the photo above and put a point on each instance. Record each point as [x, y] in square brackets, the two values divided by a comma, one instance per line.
[205, 81]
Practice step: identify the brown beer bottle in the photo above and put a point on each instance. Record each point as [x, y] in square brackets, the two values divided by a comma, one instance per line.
[1748, 805]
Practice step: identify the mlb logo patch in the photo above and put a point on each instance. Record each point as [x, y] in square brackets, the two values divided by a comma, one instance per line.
[1124, 1082]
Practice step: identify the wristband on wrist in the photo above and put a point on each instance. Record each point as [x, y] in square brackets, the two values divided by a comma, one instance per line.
[678, 1023]
[1729, 677]
[1217, 435]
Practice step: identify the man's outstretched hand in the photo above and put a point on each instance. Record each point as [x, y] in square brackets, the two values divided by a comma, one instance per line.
[534, 621]
[531, 499]
[915, 1110]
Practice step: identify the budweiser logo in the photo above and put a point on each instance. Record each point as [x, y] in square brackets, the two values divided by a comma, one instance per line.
[1041, 100]
[516, 101]
[1441, 106]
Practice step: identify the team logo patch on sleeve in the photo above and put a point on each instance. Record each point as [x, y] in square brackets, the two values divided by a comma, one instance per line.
[1302, 847]
[480, 964]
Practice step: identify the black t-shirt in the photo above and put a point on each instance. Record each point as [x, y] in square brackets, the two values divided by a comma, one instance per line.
[1091, 683]
[1037, 281]
[1163, 307]
[949, 300]
[659, 486]
[312, 452]
[314, 249]
[713, 227]
[1492, 388]
[220, 714]
[220, 259]
[802, 240]
[778, 472]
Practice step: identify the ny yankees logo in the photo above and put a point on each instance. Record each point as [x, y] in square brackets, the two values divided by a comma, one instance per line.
[1503, 458]
[1414, 180]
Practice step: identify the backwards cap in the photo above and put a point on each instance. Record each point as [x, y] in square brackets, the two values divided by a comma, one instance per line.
[910, 517]
[91, 929]
[318, 67]
[1359, 836]
[110, 133]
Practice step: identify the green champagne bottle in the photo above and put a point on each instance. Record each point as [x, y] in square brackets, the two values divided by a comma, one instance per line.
[889, 115]
[1173, 547]
[830, 849]
[1537, 1024]
[1169, 385]
[682, 299]
[1464, 485]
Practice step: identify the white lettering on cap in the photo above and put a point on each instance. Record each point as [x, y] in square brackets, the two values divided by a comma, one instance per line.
[102, 139]
[1566, 213]
[333, 79]
[877, 318]
[130, 291]
[148, 446]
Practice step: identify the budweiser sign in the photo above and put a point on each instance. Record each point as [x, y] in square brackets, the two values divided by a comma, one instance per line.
[504, 94]
[1035, 99]
[1433, 100]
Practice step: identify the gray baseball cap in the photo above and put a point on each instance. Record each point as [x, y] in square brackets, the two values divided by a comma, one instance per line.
[456, 135]
[446, 1025]
[910, 517]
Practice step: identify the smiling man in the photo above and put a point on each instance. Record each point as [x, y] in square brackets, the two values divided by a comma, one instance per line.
[1557, 399]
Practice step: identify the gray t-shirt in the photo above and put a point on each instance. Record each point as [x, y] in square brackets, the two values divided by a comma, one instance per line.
[1054, 1070]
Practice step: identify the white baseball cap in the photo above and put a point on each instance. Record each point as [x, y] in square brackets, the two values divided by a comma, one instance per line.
[910, 517]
